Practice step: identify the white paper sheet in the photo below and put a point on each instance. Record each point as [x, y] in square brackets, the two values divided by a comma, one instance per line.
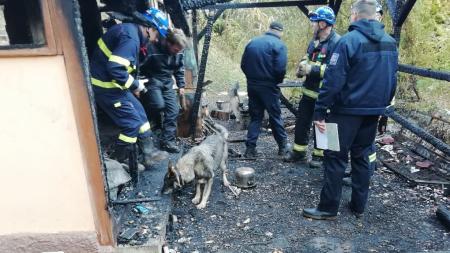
[329, 139]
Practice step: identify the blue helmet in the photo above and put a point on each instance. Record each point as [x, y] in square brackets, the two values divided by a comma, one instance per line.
[158, 19]
[324, 13]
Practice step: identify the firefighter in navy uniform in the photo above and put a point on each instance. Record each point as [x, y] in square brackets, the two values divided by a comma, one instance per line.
[163, 63]
[313, 67]
[359, 84]
[264, 65]
[113, 64]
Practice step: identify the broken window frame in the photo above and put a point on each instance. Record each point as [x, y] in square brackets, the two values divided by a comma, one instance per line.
[46, 49]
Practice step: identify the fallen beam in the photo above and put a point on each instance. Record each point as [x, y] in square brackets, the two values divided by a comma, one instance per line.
[265, 4]
[414, 70]
[420, 132]
[443, 215]
[288, 104]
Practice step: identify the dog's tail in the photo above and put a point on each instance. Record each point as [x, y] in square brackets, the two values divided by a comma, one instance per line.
[222, 130]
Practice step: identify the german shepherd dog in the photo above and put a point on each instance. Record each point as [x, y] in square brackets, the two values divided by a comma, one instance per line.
[199, 164]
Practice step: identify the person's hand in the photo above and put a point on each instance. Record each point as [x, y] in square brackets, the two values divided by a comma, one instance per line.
[321, 125]
[181, 91]
[297, 73]
[304, 68]
[140, 88]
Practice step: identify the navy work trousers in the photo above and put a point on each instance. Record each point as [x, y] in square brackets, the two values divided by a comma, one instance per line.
[126, 112]
[356, 135]
[162, 107]
[262, 98]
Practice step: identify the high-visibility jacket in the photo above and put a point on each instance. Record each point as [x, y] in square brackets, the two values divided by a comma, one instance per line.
[115, 58]
[318, 56]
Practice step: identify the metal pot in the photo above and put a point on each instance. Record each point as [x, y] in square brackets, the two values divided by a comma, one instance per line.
[219, 104]
[245, 177]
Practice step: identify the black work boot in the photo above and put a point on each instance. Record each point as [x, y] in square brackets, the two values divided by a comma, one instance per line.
[170, 146]
[295, 156]
[354, 212]
[316, 214]
[151, 154]
[316, 162]
[251, 152]
[283, 149]
[122, 152]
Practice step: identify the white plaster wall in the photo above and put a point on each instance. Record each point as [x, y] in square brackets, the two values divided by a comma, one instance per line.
[43, 188]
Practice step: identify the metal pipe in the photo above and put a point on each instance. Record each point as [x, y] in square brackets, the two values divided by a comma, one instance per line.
[132, 201]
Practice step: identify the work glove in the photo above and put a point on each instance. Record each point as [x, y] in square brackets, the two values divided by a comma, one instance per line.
[141, 87]
[304, 69]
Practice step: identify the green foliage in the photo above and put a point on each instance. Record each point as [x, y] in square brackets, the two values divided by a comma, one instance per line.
[424, 42]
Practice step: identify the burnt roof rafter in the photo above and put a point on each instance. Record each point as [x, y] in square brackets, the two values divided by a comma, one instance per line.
[266, 4]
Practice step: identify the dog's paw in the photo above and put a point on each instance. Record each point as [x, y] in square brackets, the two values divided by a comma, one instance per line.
[195, 201]
[201, 205]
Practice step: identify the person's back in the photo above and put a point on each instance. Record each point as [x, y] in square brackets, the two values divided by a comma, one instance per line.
[264, 60]
[370, 58]
[124, 40]
[359, 84]
[264, 64]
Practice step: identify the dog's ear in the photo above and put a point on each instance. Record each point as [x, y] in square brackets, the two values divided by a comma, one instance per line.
[170, 168]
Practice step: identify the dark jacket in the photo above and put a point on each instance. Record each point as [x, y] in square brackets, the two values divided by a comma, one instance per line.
[115, 58]
[318, 57]
[264, 60]
[159, 66]
[361, 76]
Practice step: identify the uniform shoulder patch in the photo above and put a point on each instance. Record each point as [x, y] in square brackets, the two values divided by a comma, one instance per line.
[334, 58]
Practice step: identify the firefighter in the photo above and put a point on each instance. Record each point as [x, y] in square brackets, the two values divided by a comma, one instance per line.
[163, 63]
[113, 63]
[382, 122]
[359, 84]
[313, 66]
[264, 65]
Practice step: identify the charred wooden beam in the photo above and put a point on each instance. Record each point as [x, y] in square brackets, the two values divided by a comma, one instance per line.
[177, 15]
[195, 34]
[443, 214]
[303, 9]
[404, 12]
[198, 4]
[215, 17]
[288, 104]
[201, 75]
[337, 6]
[420, 132]
[266, 4]
[440, 75]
